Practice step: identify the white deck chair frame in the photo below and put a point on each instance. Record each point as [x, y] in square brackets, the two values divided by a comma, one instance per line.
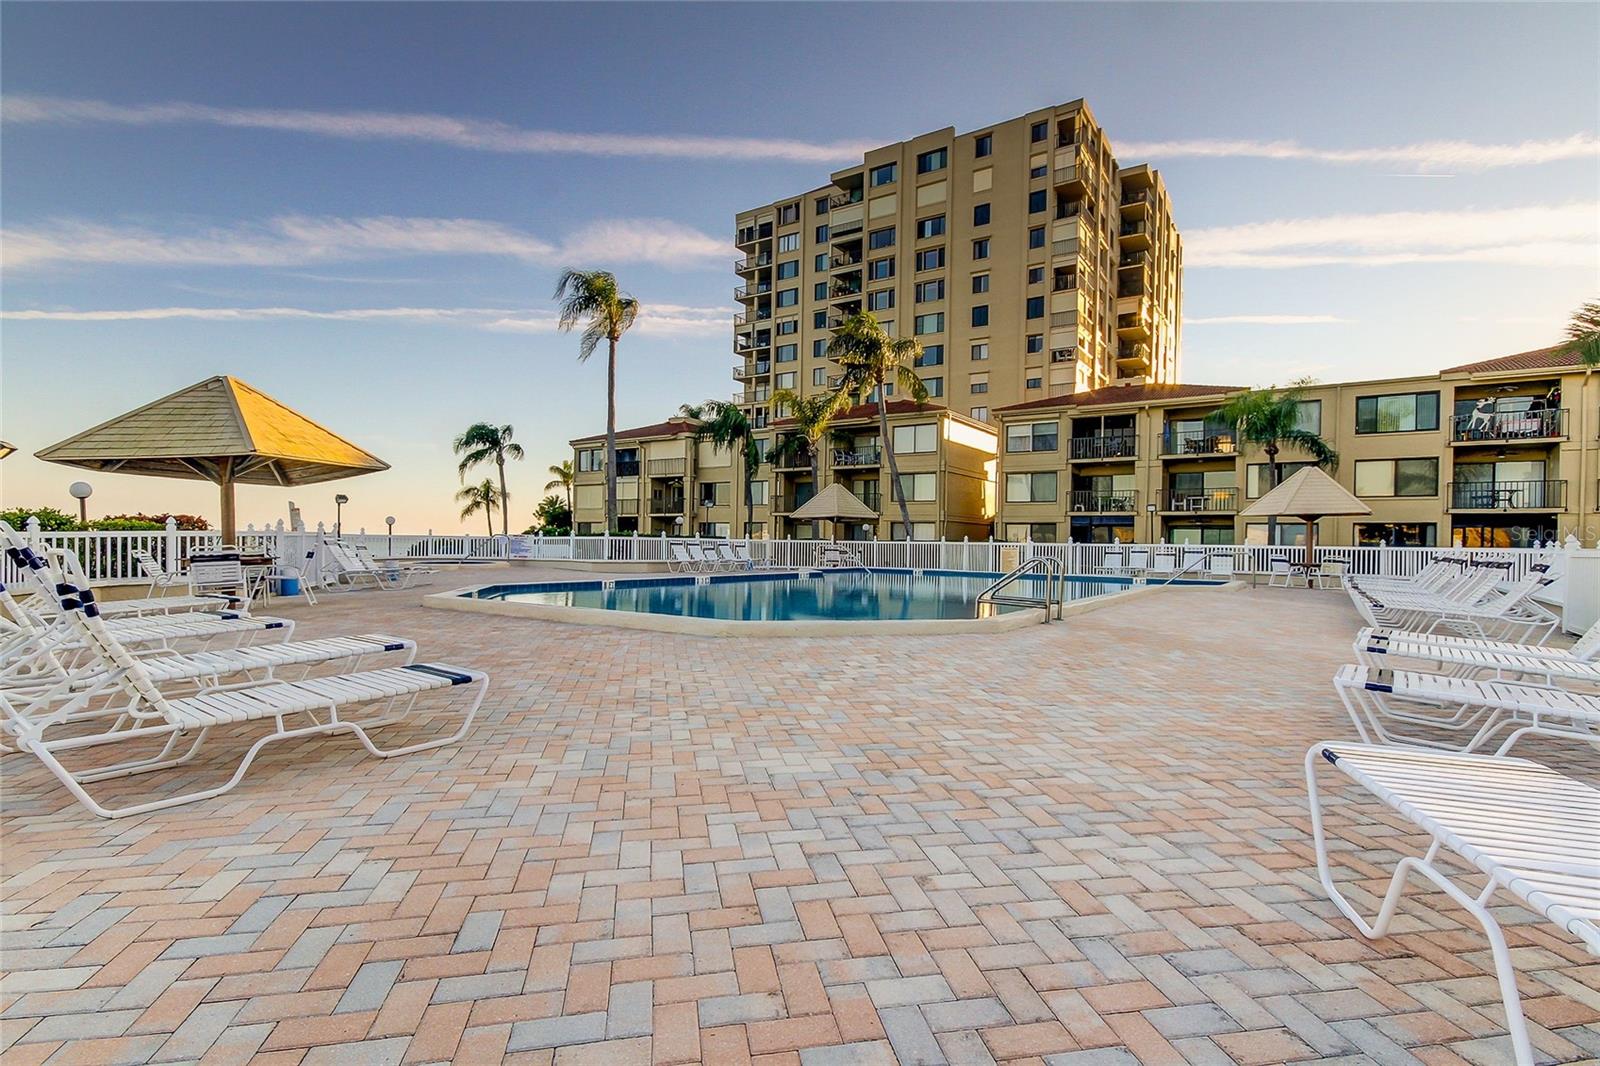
[1534, 833]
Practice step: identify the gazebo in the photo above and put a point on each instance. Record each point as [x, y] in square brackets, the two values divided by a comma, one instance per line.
[219, 430]
[835, 504]
[1307, 494]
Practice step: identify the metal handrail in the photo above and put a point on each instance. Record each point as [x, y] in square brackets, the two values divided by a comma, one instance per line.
[1054, 587]
[1175, 576]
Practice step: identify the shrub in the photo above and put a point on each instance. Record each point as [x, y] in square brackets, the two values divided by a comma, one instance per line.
[50, 519]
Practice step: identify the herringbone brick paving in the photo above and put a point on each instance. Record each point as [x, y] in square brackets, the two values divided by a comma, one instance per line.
[1079, 844]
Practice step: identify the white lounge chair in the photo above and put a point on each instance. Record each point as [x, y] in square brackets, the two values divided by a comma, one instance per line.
[1585, 649]
[400, 573]
[1138, 560]
[319, 702]
[741, 555]
[160, 577]
[678, 558]
[1478, 708]
[1221, 564]
[1534, 833]
[1465, 657]
[1279, 573]
[1112, 562]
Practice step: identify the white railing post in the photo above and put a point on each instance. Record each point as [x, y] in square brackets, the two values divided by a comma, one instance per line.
[169, 546]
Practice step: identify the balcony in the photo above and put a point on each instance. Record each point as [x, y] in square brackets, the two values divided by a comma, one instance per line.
[1507, 495]
[793, 462]
[1137, 200]
[753, 262]
[756, 369]
[1133, 325]
[1212, 440]
[1131, 287]
[628, 507]
[1134, 235]
[1132, 259]
[750, 292]
[843, 262]
[1064, 282]
[662, 504]
[752, 234]
[667, 467]
[1498, 427]
[1101, 446]
[844, 292]
[1200, 501]
[844, 199]
[1091, 501]
[1132, 358]
[845, 229]
[788, 503]
[857, 458]
[872, 496]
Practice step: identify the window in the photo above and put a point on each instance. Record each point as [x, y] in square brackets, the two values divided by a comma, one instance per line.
[881, 238]
[919, 531]
[784, 381]
[1036, 307]
[1398, 413]
[819, 376]
[1035, 343]
[789, 214]
[880, 299]
[937, 159]
[930, 290]
[713, 493]
[935, 386]
[980, 315]
[821, 262]
[822, 205]
[1397, 534]
[1199, 535]
[1308, 416]
[1034, 383]
[716, 530]
[930, 227]
[1037, 487]
[758, 493]
[1038, 171]
[789, 242]
[1061, 355]
[1035, 275]
[980, 215]
[980, 249]
[822, 234]
[980, 351]
[1036, 201]
[1038, 532]
[1397, 477]
[819, 291]
[1289, 533]
[929, 324]
[932, 355]
[881, 175]
[788, 326]
[819, 347]
[789, 268]
[1038, 131]
[978, 384]
[979, 414]
[1033, 436]
[930, 258]
[819, 320]
[591, 459]
[980, 283]
[919, 488]
[1036, 237]
[1256, 477]
[912, 440]
[788, 353]
[983, 145]
[880, 269]
[788, 297]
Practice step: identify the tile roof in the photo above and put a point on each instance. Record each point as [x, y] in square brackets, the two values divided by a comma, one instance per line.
[1124, 394]
[670, 428]
[1538, 359]
[870, 410]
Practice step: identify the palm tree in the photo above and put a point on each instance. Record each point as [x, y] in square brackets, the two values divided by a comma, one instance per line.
[562, 480]
[593, 295]
[812, 415]
[482, 497]
[480, 443]
[1270, 419]
[1583, 335]
[725, 425]
[872, 360]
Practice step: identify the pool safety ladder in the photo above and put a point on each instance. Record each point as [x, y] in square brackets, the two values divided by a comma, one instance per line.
[1055, 588]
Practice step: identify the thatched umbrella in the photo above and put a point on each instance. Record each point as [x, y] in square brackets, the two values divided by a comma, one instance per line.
[836, 504]
[1308, 495]
[219, 430]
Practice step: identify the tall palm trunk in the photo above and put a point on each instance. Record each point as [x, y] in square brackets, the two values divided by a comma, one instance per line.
[894, 467]
[611, 435]
[488, 517]
[1272, 483]
[505, 512]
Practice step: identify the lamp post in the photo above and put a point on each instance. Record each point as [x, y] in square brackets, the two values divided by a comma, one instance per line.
[81, 491]
[390, 523]
[338, 514]
[1150, 509]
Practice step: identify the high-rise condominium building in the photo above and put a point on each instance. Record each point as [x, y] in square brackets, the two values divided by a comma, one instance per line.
[1023, 257]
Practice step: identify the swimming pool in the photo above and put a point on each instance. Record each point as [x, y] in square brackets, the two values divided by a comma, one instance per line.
[800, 603]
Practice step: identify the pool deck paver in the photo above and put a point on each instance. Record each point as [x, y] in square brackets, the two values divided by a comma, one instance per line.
[1083, 843]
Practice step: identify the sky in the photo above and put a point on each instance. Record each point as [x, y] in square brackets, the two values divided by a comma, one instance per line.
[362, 209]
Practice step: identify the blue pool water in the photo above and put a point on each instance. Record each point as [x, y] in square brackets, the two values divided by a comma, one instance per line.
[835, 595]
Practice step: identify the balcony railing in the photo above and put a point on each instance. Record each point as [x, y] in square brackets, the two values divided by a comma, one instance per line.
[845, 230]
[1133, 321]
[793, 461]
[844, 199]
[667, 467]
[1105, 502]
[1508, 495]
[844, 292]
[1201, 501]
[753, 262]
[751, 234]
[859, 457]
[841, 262]
[745, 292]
[625, 467]
[1132, 229]
[1105, 446]
[1063, 282]
[1129, 199]
[1212, 440]
[746, 343]
[1132, 259]
[660, 505]
[1509, 425]
[752, 370]
[872, 497]
[628, 507]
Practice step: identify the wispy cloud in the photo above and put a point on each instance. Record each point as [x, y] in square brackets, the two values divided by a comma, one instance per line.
[1546, 235]
[297, 240]
[1423, 156]
[475, 134]
[662, 319]
[1264, 320]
